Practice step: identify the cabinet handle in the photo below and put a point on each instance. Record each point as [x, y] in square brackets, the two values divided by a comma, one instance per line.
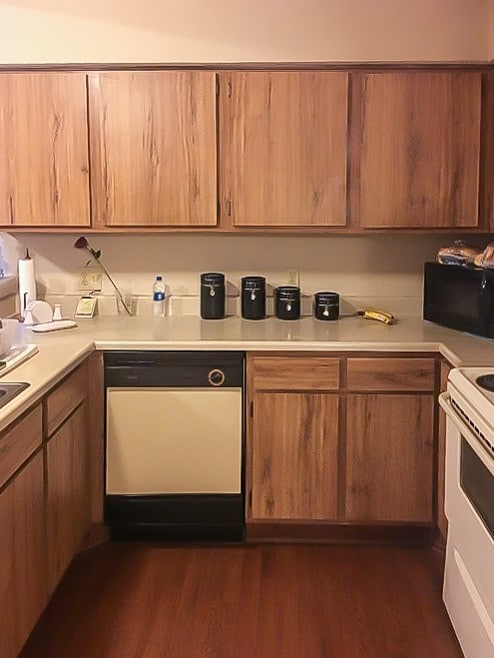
[229, 90]
[229, 207]
[11, 209]
[251, 409]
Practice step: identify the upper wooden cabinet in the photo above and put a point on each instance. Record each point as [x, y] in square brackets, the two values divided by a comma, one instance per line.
[416, 149]
[153, 148]
[44, 170]
[283, 148]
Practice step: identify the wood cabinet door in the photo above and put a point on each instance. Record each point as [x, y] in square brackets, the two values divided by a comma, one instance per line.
[68, 494]
[44, 166]
[389, 458]
[9, 647]
[153, 148]
[294, 456]
[418, 149]
[283, 148]
[30, 547]
[23, 587]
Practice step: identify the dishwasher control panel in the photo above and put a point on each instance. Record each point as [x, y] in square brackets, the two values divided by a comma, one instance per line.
[174, 369]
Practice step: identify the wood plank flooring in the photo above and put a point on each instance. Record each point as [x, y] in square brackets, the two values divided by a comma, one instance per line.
[264, 601]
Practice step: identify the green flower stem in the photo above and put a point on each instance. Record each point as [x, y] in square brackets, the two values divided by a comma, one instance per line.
[119, 294]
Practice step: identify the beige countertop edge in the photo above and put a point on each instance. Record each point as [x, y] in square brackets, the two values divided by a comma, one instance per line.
[40, 385]
[53, 362]
[270, 346]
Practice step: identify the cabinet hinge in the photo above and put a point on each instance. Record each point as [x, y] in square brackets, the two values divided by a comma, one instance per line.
[251, 410]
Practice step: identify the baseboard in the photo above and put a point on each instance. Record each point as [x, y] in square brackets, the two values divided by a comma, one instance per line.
[340, 533]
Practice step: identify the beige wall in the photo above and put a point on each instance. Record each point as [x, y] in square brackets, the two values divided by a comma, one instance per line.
[357, 267]
[240, 30]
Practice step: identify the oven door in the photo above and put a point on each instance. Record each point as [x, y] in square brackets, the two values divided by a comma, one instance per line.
[469, 578]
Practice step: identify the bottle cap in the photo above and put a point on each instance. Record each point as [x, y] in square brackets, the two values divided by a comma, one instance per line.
[159, 278]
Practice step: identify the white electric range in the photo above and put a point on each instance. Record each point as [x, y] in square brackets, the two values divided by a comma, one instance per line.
[468, 590]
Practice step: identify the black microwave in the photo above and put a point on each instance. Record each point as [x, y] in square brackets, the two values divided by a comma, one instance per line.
[460, 297]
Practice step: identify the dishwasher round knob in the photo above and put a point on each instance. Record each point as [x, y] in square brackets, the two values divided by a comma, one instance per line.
[216, 377]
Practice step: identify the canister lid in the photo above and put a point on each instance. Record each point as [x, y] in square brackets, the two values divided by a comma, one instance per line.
[327, 297]
[212, 278]
[288, 292]
[253, 282]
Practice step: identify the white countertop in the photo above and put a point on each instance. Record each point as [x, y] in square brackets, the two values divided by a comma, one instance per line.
[60, 352]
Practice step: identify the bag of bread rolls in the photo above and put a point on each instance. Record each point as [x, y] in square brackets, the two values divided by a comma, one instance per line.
[458, 254]
[486, 257]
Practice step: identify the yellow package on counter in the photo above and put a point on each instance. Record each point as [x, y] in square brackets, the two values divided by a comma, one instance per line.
[380, 316]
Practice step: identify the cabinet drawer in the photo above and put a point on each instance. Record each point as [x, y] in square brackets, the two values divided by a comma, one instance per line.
[64, 399]
[17, 443]
[390, 374]
[296, 373]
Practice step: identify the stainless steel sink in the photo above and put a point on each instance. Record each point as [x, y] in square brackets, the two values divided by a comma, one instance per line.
[8, 391]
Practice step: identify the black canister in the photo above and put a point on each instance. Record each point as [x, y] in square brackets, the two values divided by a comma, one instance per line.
[287, 302]
[212, 296]
[327, 305]
[253, 297]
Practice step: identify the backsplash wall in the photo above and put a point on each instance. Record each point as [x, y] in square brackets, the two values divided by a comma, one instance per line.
[358, 267]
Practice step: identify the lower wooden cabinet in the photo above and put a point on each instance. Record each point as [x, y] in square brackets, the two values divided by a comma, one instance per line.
[8, 640]
[356, 448]
[389, 458]
[23, 585]
[44, 512]
[295, 454]
[68, 494]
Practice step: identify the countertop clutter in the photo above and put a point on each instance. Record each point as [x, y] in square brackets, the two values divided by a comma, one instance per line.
[59, 353]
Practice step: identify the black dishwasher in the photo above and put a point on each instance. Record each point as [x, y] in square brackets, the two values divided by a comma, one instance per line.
[175, 445]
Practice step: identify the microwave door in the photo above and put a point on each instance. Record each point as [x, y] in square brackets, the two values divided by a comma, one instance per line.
[486, 303]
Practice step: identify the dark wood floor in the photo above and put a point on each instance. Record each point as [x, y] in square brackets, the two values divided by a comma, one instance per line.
[271, 601]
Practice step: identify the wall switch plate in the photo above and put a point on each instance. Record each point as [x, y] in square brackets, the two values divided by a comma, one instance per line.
[90, 279]
[292, 278]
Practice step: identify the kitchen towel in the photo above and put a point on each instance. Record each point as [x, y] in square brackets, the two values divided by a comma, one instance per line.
[27, 282]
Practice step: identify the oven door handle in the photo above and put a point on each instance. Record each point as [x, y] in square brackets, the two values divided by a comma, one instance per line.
[465, 431]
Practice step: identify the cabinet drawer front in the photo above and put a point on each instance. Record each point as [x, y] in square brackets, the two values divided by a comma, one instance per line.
[64, 399]
[296, 373]
[18, 443]
[393, 374]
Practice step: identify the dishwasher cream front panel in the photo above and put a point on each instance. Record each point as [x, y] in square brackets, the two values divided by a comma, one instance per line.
[174, 441]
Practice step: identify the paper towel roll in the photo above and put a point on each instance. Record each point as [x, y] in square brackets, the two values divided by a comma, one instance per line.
[27, 282]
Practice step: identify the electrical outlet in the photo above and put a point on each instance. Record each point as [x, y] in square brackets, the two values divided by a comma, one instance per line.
[292, 278]
[90, 278]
